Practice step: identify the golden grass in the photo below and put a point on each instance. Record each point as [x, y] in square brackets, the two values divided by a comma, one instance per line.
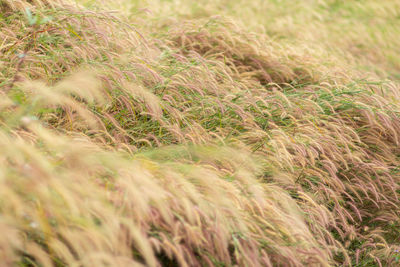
[152, 140]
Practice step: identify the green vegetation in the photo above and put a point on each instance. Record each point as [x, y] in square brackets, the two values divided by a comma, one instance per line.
[199, 133]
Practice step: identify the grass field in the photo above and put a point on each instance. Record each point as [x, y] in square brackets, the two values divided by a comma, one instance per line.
[199, 133]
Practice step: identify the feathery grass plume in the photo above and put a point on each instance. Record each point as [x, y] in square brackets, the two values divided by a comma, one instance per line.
[150, 140]
[96, 206]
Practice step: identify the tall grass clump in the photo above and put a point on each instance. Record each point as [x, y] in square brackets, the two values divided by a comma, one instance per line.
[133, 138]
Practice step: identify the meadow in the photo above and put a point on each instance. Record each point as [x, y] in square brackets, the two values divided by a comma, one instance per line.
[199, 133]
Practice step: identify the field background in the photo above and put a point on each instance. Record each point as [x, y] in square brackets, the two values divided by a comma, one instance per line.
[199, 133]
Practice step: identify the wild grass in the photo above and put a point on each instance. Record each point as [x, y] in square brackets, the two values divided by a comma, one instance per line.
[170, 136]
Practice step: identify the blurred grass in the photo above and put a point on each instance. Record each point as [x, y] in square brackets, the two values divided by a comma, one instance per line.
[362, 33]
